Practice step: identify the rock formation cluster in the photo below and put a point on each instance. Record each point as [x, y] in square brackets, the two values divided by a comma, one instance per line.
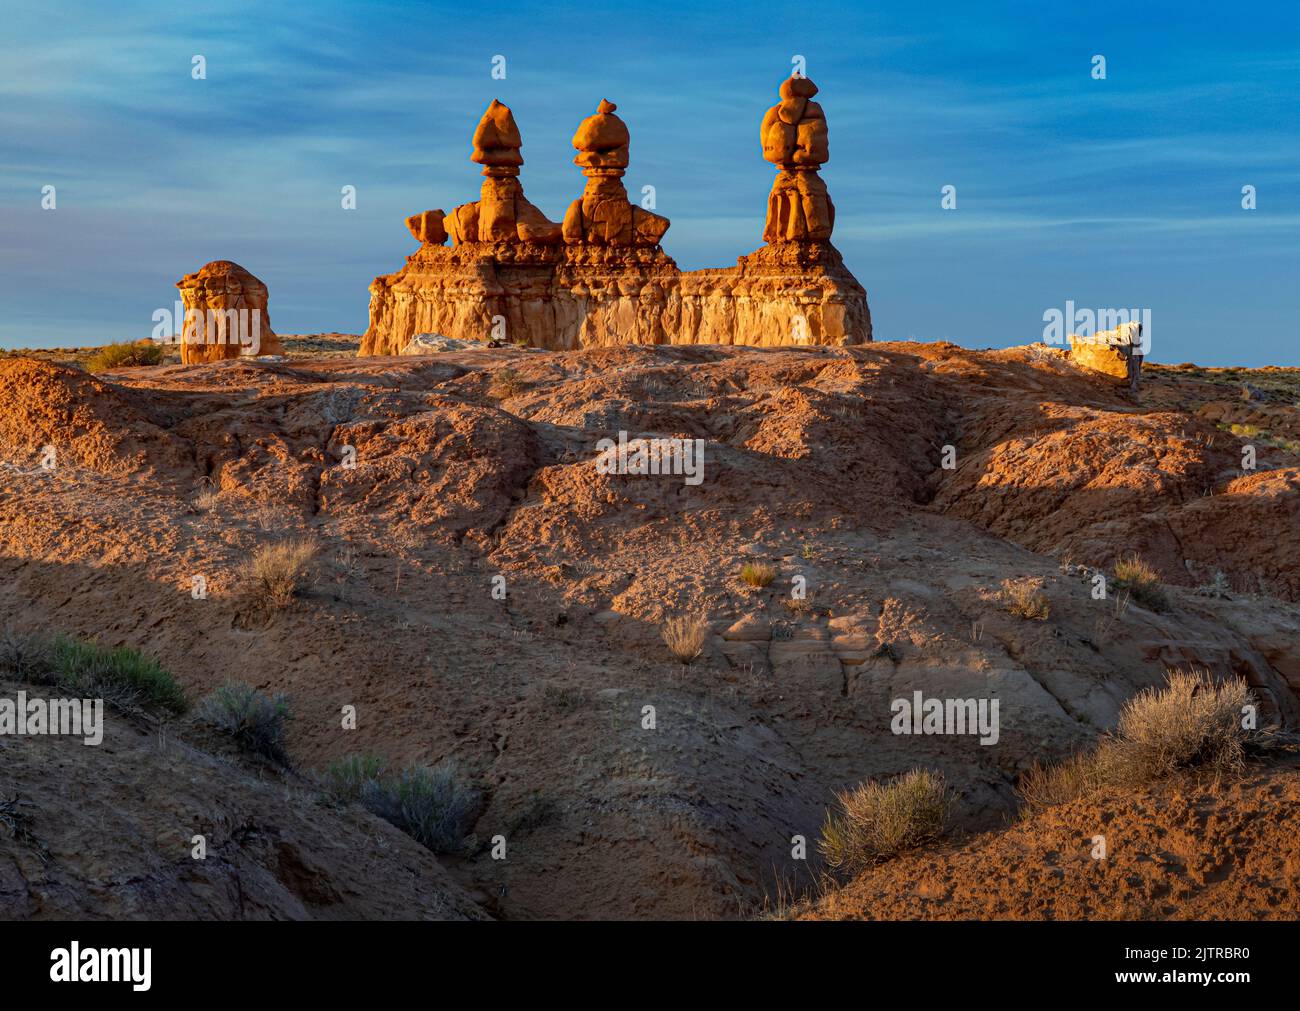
[601, 277]
[225, 314]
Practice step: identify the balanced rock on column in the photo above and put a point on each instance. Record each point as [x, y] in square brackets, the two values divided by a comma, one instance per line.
[603, 215]
[501, 214]
[794, 138]
[428, 227]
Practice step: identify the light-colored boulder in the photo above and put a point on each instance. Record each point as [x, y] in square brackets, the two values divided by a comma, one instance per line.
[436, 343]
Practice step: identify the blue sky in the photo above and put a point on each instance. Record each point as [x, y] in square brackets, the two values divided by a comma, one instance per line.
[1123, 192]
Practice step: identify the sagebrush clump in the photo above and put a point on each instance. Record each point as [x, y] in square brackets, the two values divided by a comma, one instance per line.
[1192, 722]
[877, 820]
[278, 573]
[432, 805]
[256, 722]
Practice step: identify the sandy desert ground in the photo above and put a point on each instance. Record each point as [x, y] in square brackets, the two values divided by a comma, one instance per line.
[824, 463]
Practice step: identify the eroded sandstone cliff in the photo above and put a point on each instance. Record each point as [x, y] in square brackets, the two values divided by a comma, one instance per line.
[565, 297]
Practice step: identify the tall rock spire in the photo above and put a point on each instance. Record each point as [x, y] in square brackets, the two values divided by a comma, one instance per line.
[794, 139]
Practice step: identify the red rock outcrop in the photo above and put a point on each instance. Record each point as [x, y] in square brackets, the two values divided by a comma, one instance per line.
[225, 313]
[601, 278]
[603, 215]
[793, 135]
[502, 213]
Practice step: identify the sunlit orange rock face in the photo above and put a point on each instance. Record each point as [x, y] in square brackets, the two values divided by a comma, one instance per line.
[1099, 356]
[225, 314]
[793, 134]
[603, 215]
[601, 277]
[502, 213]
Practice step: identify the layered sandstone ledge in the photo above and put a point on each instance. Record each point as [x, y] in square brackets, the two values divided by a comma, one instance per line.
[565, 297]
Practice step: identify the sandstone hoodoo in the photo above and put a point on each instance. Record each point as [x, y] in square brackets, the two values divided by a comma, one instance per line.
[225, 314]
[604, 215]
[501, 214]
[793, 135]
[601, 278]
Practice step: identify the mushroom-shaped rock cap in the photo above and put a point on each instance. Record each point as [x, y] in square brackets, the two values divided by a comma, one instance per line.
[793, 133]
[219, 276]
[496, 139]
[798, 87]
[603, 131]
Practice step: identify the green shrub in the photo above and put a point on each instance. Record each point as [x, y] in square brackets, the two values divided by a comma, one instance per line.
[125, 354]
[346, 778]
[257, 722]
[120, 675]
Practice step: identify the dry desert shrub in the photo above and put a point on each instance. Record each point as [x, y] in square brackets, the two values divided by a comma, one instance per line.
[1045, 786]
[1191, 723]
[684, 635]
[877, 820]
[1025, 598]
[506, 384]
[255, 721]
[798, 605]
[25, 656]
[1103, 626]
[757, 574]
[207, 500]
[1137, 576]
[125, 354]
[279, 572]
